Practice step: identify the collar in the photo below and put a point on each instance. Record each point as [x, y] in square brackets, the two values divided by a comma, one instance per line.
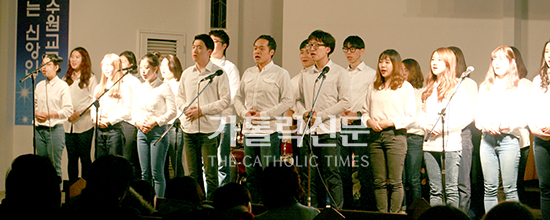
[155, 83]
[329, 64]
[53, 81]
[269, 65]
[207, 69]
[362, 66]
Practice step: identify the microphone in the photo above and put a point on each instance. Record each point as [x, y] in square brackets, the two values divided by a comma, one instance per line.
[133, 67]
[467, 72]
[56, 60]
[211, 76]
[322, 75]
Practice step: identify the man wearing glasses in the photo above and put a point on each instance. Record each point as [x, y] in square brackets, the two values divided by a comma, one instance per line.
[353, 134]
[324, 131]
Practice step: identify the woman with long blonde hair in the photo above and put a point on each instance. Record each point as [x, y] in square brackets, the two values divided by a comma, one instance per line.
[440, 85]
[499, 115]
[114, 107]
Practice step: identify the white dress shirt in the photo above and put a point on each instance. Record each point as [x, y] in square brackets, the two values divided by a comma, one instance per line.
[268, 91]
[502, 107]
[81, 99]
[334, 98]
[174, 86]
[415, 128]
[539, 105]
[212, 101]
[234, 81]
[53, 96]
[456, 118]
[397, 105]
[154, 101]
[524, 134]
[113, 109]
[359, 79]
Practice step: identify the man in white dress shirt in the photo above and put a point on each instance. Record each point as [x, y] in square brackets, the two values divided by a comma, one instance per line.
[354, 134]
[334, 98]
[221, 42]
[264, 95]
[201, 120]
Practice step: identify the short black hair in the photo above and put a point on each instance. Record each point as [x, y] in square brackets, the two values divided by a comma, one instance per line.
[206, 39]
[354, 41]
[271, 42]
[222, 35]
[323, 37]
[56, 60]
[303, 44]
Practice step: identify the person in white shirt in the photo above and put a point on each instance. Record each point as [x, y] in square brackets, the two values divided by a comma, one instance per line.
[539, 124]
[153, 107]
[131, 81]
[525, 135]
[53, 106]
[170, 68]
[114, 107]
[79, 132]
[221, 43]
[201, 124]
[499, 115]
[440, 85]
[415, 137]
[465, 167]
[389, 108]
[354, 135]
[325, 125]
[264, 95]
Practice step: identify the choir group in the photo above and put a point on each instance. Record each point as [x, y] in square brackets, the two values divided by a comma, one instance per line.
[382, 122]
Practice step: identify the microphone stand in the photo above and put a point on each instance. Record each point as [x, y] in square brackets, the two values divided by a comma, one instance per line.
[183, 112]
[310, 147]
[32, 75]
[95, 103]
[442, 118]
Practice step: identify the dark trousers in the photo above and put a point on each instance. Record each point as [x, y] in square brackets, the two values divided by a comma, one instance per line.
[324, 168]
[354, 143]
[79, 146]
[110, 140]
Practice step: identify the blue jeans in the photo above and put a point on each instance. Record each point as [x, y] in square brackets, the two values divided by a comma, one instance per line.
[413, 165]
[224, 171]
[499, 153]
[433, 167]
[110, 140]
[79, 146]
[175, 152]
[50, 142]
[259, 151]
[541, 149]
[152, 157]
[202, 150]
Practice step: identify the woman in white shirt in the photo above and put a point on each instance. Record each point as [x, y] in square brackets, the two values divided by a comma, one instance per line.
[114, 107]
[152, 109]
[79, 132]
[389, 108]
[539, 124]
[170, 68]
[440, 85]
[499, 115]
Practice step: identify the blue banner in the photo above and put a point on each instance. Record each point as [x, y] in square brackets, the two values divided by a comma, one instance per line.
[42, 28]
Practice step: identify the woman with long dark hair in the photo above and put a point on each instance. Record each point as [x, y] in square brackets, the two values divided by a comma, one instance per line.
[79, 130]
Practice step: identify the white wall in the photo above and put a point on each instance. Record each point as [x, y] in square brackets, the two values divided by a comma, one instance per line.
[416, 28]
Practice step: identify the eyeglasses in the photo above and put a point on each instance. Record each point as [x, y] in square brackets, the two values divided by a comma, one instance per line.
[350, 49]
[314, 46]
